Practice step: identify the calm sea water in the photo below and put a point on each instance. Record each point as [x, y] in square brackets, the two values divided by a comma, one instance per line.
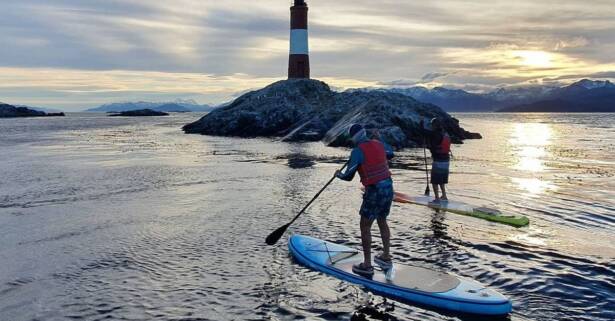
[130, 219]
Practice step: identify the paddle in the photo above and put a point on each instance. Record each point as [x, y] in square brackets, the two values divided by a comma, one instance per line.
[275, 236]
[426, 170]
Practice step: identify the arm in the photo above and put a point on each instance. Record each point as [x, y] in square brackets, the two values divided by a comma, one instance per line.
[430, 137]
[389, 150]
[356, 159]
[423, 130]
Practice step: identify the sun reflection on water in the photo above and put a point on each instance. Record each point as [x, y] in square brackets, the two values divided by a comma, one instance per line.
[529, 143]
[533, 185]
[530, 159]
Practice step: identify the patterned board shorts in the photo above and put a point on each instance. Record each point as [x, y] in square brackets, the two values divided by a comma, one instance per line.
[377, 201]
[439, 172]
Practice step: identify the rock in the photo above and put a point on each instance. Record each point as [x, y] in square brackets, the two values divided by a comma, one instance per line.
[308, 110]
[271, 111]
[10, 111]
[141, 112]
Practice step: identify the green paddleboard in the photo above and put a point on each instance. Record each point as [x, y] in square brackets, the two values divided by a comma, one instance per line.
[489, 214]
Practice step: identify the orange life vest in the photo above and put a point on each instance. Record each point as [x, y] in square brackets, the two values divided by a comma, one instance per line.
[375, 166]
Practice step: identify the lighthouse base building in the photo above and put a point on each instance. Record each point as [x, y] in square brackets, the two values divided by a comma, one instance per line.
[299, 59]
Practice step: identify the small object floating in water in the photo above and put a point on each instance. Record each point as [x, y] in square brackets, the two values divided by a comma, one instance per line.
[485, 213]
[410, 284]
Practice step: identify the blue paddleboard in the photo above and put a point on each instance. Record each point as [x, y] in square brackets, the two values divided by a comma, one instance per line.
[402, 282]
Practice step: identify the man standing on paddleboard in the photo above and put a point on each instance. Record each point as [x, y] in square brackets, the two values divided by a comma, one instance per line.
[439, 143]
[370, 158]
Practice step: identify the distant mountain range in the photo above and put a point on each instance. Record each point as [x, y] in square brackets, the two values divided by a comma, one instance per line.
[582, 96]
[179, 105]
[43, 109]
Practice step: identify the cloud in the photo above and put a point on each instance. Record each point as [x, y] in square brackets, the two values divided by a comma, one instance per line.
[575, 42]
[433, 76]
[398, 83]
[603, 74]
[478, 43]
[597, 75]
[425, 79]
[78, 89]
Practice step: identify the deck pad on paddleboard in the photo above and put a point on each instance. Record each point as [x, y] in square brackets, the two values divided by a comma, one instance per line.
[486, 213]
[403, 282]
[411, 277]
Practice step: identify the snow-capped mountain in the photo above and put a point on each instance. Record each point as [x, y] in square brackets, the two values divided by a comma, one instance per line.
[593, 84]
[582, 96]
[522, 94]
[447, 99]
[179, 105]
[598, 93]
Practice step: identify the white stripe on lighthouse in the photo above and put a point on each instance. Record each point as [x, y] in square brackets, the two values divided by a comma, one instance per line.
[298, 42]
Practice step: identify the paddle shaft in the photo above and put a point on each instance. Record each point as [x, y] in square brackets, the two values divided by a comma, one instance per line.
[315, 196]
[275, 236]
[426, 170]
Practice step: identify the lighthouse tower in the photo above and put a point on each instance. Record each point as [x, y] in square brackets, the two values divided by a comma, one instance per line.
[299, 60]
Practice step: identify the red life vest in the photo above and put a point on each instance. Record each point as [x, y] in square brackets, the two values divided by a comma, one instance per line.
[375, 166]
[444, 148]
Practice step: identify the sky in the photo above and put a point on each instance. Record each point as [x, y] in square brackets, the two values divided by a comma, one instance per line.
[77, 54]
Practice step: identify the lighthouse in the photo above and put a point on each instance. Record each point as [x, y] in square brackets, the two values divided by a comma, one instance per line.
[299, 60]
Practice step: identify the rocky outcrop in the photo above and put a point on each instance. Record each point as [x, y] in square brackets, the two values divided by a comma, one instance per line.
[308, 110]
[141, 112]
[10, 111]
[271, 111]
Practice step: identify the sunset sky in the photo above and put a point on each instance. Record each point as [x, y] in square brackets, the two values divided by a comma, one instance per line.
[75, 54]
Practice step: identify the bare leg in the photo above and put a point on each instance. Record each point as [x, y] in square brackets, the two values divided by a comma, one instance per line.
[435, 191]
[385, 233]
[366, 240]
[443, 192]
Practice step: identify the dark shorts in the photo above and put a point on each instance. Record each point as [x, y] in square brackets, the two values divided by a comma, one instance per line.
[439, 172]
[377, 201]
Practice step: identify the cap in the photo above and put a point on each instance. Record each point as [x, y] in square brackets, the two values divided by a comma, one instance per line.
[354, 129]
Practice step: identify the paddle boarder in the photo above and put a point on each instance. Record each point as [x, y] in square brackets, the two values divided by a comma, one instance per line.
[370, 158]
[439, 143]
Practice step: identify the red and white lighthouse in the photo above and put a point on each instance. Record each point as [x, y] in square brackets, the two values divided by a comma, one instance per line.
[299, 59]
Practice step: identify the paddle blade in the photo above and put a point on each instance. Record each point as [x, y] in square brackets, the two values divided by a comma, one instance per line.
[275, 236]
[427, 190]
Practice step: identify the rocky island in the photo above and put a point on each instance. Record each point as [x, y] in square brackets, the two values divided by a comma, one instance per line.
[140, 112]
[308, 110]
[10, 111]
